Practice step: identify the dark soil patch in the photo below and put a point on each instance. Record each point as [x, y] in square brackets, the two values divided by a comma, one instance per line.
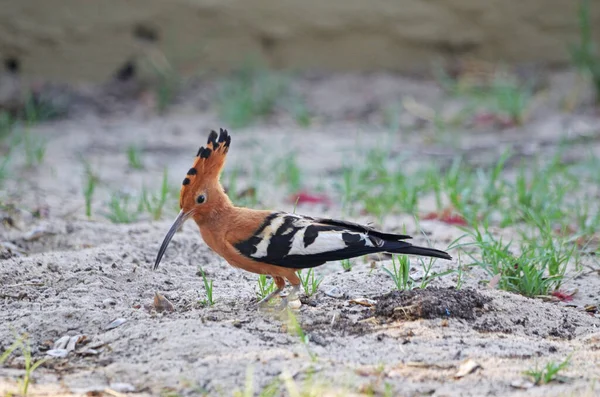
[431, 303]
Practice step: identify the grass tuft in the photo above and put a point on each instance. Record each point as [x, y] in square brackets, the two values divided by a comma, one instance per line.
[584, 54]
[154, 203]
[294, 327]
[251, 93]
[548, 373]
[208, 289]
[265, 286]
[400, 273]
[34, 148]
[346, 265]
[122, 209]
[22, 344]
[134, 157]
[310, 282]
[90, 182]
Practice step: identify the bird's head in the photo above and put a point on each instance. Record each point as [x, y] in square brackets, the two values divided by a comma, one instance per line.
[202, 195]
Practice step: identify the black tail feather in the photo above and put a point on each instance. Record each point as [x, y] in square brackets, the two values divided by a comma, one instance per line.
[409, 249]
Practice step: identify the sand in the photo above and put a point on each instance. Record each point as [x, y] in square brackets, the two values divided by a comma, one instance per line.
[62, 274]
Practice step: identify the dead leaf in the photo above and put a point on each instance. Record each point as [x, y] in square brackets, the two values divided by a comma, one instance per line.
[564, 296]
[64, 345]
[370, 320]
[493, 283]
[304, 197]
[368, 370]
[466, 367]
[447, 215]
[421, 364]
[162, 304]
[363, 302]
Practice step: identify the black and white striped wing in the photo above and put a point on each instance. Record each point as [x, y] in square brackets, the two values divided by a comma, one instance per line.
[295, 241]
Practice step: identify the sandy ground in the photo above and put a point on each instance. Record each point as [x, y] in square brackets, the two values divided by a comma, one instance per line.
[64, 275]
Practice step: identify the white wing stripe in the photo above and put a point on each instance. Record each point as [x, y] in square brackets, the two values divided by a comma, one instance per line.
[267, 233]
[325, 242]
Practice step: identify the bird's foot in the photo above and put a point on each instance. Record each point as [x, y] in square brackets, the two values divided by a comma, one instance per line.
[264, 303]
[290, 300]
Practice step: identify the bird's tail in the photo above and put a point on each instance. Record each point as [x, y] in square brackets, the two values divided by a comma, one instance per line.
[402, 247]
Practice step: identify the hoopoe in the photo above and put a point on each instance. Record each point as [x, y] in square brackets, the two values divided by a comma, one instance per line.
[278, 244]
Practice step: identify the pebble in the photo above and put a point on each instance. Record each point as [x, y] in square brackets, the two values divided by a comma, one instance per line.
[115, 323]
[335, 292]
[295, 304]
[122, 387]
[109, 302]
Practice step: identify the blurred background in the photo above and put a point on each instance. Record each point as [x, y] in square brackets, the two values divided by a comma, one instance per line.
[472, 125]
[123, 92]
[160, 44]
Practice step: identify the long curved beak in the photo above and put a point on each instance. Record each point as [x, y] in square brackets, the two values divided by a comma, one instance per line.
[181, 218]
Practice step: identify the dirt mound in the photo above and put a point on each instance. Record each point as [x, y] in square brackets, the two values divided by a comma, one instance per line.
[431, 303]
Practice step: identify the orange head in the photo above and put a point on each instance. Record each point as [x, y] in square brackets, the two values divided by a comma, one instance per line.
[202, 195]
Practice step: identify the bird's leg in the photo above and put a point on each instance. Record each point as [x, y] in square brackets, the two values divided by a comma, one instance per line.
[280, 283]
[293, 295]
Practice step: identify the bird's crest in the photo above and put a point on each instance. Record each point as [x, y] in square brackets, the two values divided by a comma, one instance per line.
[209, 161]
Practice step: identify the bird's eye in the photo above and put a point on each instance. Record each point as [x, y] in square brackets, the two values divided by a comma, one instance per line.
[201, 199]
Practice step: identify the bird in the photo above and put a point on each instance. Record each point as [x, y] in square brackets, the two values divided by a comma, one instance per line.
[274, 243]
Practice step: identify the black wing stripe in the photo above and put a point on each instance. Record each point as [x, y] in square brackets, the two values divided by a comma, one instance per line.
[361, 228]
[249, 247]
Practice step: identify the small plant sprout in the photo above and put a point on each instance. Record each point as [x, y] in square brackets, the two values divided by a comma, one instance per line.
[301, 113]
[400, 273]
[548, 373]
[310, 282]
[294, 327]
[22, 344]
[90, 182]
[35, 149]
[4, 168]
[585, 54]
[269, 390]
[208, 288]
[134, 157]
[154, 204]
[251, 93]
[346, 264]
[265, 286]
[291, 174]
[167, 80]
[121, 209]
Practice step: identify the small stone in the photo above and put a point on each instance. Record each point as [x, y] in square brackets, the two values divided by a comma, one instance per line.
[109, 302]
[334, 292]
[522, 384]
[37, 233]
[122, 387]
[57, 353]
[466, 367]
[295, 304]
[115, 323]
